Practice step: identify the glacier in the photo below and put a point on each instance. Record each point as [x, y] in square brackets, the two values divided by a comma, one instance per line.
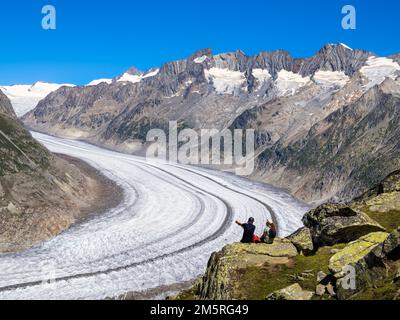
[171, 219]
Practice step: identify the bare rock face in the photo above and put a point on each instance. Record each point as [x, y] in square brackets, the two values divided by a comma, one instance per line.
[330, 224]
[5, 106]
[338, 157]
[335, 58]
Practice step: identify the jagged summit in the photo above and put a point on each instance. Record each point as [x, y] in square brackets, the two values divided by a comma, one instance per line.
[134, 71]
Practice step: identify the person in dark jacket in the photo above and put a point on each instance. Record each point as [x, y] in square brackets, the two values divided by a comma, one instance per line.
[248, 230]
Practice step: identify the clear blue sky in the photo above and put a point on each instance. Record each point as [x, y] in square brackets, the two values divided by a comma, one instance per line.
[96, 39]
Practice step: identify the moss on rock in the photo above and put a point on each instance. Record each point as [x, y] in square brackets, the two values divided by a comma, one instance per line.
[354, 252]
[302, 240]
[333, 223]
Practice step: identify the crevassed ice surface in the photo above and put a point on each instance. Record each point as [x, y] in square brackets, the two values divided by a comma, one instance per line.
[170, 221]
[225, 81]
[377, 70]
[262, 76]
[288, 82]
[331, 78]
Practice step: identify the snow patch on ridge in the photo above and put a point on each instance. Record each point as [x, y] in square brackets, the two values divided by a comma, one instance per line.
[345, 46]
[200, 59]
[127, 77]
[288, 83]
[377, 70]
[25, 98]
[226, 81]
[151, 73]
[331, 78]
[98, 81]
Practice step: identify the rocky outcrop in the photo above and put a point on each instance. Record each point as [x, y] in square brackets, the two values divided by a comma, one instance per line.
[389, 185]
[225, 266]
[303, 241]
[5, 106]
[391, 246]
[293, 292]
[355, 252]
[370, 258]
[349, 256]
[330, 224]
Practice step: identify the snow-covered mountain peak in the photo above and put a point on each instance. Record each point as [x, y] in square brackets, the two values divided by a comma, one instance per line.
[24, 98]
[345, 46]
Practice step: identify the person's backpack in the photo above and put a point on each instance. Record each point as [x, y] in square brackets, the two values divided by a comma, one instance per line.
[272, 234]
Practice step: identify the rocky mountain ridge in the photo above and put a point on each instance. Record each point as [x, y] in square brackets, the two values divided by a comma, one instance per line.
[287, 101]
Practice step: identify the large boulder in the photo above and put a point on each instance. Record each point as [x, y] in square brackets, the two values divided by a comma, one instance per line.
[224, 267]
[330, 224]
[360, 263]
[302, 240]
[391, 246]
[293, 292]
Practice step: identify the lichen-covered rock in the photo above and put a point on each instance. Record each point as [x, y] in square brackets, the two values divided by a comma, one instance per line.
[219, 281]
[391, 246]
[279, 248]
[360, 260]
[293, 292]
[302, 240]
[330, 224]
[354, 252]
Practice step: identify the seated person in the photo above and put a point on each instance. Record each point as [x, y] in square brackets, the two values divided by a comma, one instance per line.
[269, 233]
[248, 230]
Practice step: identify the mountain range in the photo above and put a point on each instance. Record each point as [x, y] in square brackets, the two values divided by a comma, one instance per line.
[326, 126]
